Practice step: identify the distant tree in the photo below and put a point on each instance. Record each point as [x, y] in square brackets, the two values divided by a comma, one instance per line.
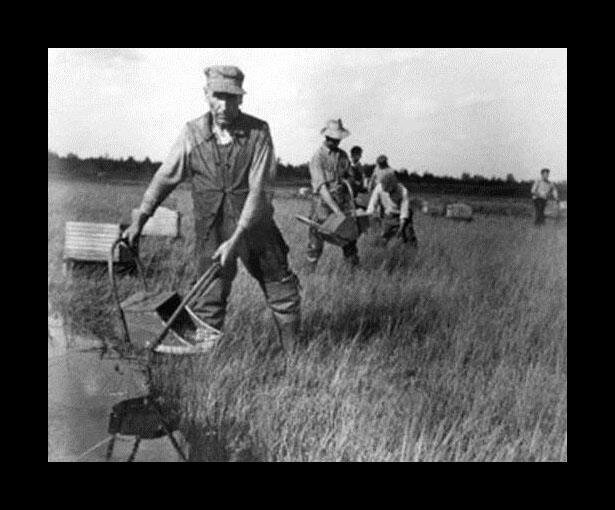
[465, 176]
[510, 178]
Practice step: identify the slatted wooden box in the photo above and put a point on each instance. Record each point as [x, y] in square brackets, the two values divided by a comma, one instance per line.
[165, 222]
[459, 211]
[91, 242]
[433, 209]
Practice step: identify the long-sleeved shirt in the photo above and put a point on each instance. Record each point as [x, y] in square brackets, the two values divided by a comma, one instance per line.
[394, 203]
[328, 166]
[544, 189]
[376, 176]
[243, 172]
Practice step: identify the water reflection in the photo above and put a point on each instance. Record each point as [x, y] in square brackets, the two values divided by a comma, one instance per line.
[82, 389]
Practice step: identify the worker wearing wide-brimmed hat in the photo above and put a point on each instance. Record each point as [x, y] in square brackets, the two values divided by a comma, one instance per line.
[228, 155]
[332, 183]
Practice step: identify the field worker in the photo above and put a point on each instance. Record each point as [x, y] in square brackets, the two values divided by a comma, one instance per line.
[228, 156]
[382, 167]
[394, 199]
[356, 169]
[543, 190]
[329, 169]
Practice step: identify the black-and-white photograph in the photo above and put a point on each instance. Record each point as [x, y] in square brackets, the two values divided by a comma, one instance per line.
[307, 255]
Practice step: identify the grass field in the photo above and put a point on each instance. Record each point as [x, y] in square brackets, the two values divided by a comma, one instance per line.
[456, 354]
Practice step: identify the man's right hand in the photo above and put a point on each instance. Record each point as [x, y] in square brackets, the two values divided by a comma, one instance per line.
[132, 234]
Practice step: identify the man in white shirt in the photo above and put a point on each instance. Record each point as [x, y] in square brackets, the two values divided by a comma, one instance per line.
[543, 190]
[395, 203]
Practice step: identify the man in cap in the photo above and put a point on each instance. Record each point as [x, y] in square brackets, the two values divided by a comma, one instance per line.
[331, 179]
[228, 156]
[543, 190]
[394, 199]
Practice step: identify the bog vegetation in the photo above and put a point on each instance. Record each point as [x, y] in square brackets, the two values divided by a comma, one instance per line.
[458, 353]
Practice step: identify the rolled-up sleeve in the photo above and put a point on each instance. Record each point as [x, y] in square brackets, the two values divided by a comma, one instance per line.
[261, 181]
[404, 212]
[173, 171]
[374, 200]
[317, 173]
[535, 189]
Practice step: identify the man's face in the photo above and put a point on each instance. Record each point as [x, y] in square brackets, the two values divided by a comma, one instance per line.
[332, 143]
[545, 176]
[223, 106]
[355, 157]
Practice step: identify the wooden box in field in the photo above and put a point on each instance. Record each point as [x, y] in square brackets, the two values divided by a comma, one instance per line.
[459, 211]
[433, 209]
[164, 222]
[91, 242]
[146, 315]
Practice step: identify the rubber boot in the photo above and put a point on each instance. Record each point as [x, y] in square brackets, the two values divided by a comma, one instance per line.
[284, 300]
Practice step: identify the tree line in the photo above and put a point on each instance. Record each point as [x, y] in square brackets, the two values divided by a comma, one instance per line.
[130, 169]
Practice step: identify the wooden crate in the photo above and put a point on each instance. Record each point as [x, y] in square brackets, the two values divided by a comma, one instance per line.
[459, 211]
[165, 222]
[433, 209]
[91, 242]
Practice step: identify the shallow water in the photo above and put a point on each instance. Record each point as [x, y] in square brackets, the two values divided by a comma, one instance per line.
[82, 388]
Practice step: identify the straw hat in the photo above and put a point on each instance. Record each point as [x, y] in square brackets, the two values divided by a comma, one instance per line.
[334, 129]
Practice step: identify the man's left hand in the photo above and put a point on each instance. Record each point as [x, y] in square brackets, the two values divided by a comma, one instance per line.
[225, 252]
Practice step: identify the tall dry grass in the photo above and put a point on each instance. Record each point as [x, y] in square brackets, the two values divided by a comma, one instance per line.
[456, 354]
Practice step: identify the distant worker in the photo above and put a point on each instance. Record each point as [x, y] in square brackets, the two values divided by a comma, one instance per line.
[331, 179]
[394, 199]
[543, 190]
[382, 167]
[228, 156]
[357, 170]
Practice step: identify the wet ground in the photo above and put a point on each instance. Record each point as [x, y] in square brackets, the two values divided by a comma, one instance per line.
[82, 388]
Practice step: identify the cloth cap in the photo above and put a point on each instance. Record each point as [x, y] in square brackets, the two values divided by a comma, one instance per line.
[227, 79]
[334, 129]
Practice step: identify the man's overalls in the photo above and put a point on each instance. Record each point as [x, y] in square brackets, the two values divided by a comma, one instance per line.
[219, 190]
[221, 176]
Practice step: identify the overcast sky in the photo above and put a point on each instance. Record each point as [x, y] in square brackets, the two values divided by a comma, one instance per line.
[445, 111]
